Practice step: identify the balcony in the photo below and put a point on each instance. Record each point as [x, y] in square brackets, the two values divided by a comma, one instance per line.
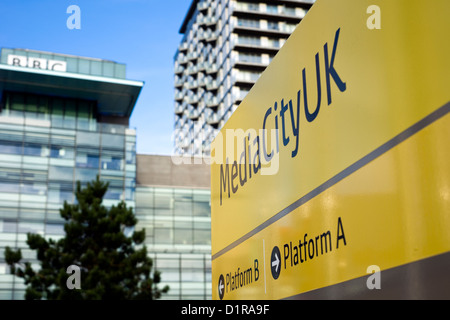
[212, 85]
[179, 69]
[202, 66]
[182, 59]
[193, 113]
[211, 36]
[256, 45]
[179, 96]
[212, 68]
[212, 118]
[206, 21]
[257, 11]
[239, 97]
[191, 84]
[179, 83]
[210, 21]
[203, 6]
[250, 61]
[201, 82]
[192, 99]
[246, 78]
[184, 143]
[192, 69]
[279, 30]
[212, 102]
[183, 47]
[179, 108]
[192, 56]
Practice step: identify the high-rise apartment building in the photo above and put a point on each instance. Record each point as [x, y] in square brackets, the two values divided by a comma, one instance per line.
[227, 44]
[62, 119]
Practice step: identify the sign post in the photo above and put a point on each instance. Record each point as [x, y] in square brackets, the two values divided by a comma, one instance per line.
[338, 160]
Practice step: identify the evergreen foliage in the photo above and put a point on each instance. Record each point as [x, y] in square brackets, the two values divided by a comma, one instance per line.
[102, 242]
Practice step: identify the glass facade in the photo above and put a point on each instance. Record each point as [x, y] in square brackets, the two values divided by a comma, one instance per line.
[178, 235]
[81, 65]
[46, 145]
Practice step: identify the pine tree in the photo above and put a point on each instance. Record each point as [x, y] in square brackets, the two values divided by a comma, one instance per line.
[101, 243]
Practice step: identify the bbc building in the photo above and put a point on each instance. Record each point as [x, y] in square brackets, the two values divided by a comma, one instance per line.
[64, 119]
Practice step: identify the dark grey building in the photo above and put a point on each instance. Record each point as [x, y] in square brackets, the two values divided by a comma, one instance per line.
[173, 205]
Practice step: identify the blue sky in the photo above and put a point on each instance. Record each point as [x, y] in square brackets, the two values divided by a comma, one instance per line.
[143, 34]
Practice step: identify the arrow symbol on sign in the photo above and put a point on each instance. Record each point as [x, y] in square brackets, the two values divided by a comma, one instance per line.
[276, 263]
[221, 287]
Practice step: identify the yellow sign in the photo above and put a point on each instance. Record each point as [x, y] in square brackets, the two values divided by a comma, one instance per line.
[337, 159]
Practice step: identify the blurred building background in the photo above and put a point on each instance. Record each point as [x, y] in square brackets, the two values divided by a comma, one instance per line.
[173, 205]
[62, 119]
[65, 118]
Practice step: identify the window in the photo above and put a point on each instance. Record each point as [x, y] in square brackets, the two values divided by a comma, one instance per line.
[113, 141]
[289, 11]
[129, 193]
[272, 25]
[253, 6]
[247, 6]
[202, 237]
[9, 187]
[183, 208]
[272, 9]
[183, 236]
[108, 69]
[248, 57]
[9, 226]
[112, 161]
[61, 152]
[202, 209]
[248, 23]
[30, 227]
[114, 193]
[54, 229]
[84, 174]
[34, 188]
[131, 152]
[289, 27]
[248, 76]
[144, 196]
[32, 149]
[275, 43]
[70, 113]
[91, 139]
[96, 68]
[163, 235]
[63, 113]
[83, 66]
[60, 192]
[163, 198]
[60, 173]
[11, 147]
[87, 159]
